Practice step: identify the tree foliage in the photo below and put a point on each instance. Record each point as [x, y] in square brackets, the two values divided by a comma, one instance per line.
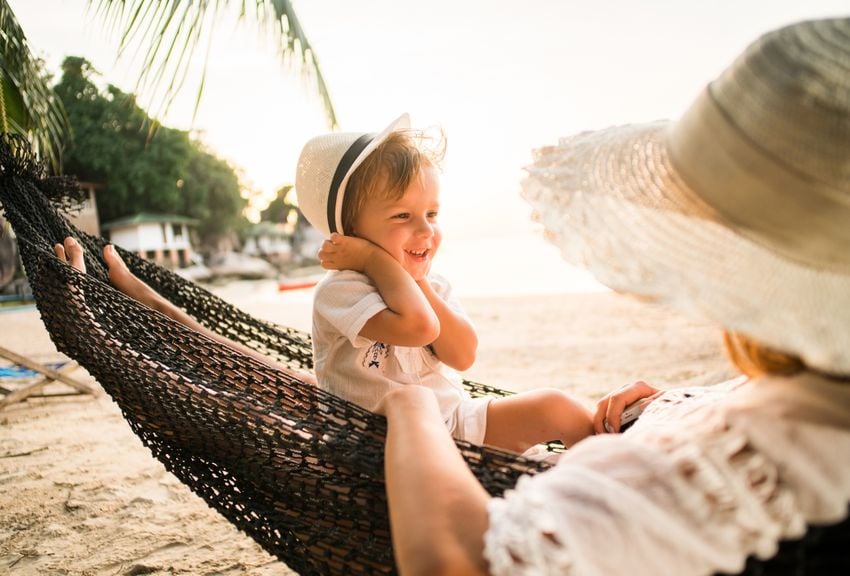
[279, 209]
[212, 195]
[27, 105]
[168, 32]
[162, 171]
[165, 32]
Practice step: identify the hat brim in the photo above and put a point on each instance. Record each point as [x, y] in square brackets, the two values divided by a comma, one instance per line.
[613, 203]
[400, 123]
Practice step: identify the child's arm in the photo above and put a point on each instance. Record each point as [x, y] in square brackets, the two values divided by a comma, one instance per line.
[457, 344]
[408, 319]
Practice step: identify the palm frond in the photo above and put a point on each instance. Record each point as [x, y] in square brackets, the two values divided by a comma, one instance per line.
[27, 103]
[170, 31]
[291, 34]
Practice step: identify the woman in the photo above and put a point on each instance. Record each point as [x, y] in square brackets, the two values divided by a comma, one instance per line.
[739, 211]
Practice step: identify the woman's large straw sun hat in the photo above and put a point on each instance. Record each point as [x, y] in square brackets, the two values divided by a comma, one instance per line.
[324, 167]
[740, 210]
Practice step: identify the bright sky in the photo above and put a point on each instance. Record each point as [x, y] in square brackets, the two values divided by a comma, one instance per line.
[500, 76]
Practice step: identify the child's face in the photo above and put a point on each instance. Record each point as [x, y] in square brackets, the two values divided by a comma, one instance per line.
[406, 227]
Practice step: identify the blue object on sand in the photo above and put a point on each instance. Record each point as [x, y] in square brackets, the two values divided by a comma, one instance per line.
[15, 371]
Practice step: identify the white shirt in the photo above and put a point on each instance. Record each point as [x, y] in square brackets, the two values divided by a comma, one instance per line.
[693, 488]
[361, 370]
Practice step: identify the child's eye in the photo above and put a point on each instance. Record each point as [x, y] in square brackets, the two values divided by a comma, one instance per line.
[402, 216]
[432, 215]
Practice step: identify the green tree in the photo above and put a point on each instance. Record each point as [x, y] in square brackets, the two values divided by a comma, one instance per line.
[279, 209]
[211, 194]
[112, 145]
[27, 105]
[165, 172]
[167, 32]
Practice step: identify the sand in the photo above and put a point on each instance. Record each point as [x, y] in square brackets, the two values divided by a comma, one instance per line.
[80, 495]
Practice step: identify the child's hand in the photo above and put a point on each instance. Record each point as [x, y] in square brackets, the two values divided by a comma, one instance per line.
[611, 407]
[346, 253]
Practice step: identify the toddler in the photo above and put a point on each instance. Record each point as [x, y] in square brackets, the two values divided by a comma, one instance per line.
[381, 318]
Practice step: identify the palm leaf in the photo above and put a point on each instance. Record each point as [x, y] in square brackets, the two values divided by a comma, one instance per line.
[27, 103]
[170, 31]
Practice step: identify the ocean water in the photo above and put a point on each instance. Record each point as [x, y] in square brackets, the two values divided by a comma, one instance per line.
[514, 264]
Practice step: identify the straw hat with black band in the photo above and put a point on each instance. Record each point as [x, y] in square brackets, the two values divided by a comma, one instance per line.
[739, 211]
[324, 167]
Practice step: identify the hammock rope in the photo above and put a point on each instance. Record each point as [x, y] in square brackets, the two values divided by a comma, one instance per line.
[297, 469]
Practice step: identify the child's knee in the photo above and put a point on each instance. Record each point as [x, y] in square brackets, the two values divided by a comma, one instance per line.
[557, 403]
[567, 414]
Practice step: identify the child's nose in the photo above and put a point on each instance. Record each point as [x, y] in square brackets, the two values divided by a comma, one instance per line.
[425, 228]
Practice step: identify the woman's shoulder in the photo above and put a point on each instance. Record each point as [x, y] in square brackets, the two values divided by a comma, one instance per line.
[807, 397]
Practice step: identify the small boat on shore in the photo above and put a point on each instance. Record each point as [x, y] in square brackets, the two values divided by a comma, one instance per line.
[300, 278]
[284, 284]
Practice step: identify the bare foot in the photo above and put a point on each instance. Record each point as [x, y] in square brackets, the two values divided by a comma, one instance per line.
[71, 253]
[121, 277]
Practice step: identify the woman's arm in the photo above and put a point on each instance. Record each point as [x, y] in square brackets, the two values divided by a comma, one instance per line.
[610, 408]
[408, 319]
[457, 344]
[438, 509]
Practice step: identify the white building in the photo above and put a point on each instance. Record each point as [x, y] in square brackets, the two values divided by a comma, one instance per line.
[161, 238]
[270, 241]
[84, 217]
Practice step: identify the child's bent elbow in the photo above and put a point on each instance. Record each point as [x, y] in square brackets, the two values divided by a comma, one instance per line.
[421, 329]
[428, 329]
[464, 362]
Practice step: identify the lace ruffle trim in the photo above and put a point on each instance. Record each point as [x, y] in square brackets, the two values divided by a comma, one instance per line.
[720, 484]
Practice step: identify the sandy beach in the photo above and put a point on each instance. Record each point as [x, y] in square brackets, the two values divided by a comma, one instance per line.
[80, 495]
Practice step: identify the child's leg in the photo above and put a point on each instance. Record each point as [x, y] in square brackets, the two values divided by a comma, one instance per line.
[519, 422]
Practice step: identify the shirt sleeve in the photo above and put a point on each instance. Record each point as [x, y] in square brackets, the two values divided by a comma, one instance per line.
[347, 300]
[443, 289]
[672, 503]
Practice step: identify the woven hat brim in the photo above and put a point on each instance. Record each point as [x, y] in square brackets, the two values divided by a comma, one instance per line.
[613, 203]
[399, 124]
[324, 169]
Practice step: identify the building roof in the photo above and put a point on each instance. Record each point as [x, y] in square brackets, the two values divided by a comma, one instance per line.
[148, 218]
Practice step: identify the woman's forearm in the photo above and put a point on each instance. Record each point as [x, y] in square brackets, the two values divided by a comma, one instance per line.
[438, 509]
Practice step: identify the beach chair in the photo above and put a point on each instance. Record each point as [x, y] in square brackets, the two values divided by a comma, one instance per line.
[23, 367]
[294, 467]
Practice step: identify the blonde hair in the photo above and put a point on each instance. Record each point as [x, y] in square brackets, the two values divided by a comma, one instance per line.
[756, 359]
[388, 171]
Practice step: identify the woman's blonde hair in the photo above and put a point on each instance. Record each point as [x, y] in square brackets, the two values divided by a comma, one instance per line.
[756, 359]
[388, 171]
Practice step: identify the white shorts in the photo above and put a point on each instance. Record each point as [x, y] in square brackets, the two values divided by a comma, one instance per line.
[469, 421]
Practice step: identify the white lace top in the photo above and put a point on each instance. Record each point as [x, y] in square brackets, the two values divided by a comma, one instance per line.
[705, 478]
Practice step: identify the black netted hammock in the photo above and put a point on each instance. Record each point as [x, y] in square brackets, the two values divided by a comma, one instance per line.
[297, 469]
